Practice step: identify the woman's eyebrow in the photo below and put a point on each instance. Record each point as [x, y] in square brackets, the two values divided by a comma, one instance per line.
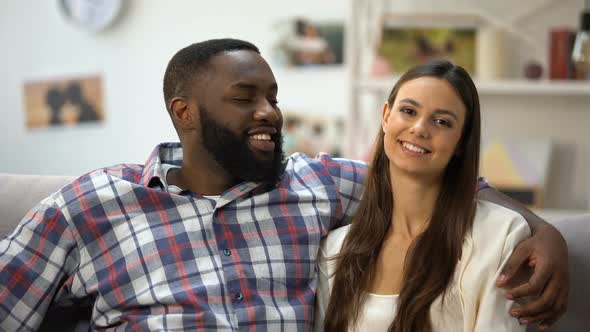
[410, 101]
[443, 111]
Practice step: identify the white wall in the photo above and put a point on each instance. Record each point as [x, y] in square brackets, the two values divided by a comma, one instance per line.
[37, 41]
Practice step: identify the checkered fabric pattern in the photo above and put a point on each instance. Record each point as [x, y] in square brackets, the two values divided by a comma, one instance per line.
[148, 259]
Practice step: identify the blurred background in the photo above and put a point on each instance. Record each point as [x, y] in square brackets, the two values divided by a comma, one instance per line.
[81, 80]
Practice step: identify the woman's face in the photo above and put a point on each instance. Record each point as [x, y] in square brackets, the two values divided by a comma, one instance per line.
[423, 126]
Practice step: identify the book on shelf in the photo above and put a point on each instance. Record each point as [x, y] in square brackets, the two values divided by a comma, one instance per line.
[560, 53]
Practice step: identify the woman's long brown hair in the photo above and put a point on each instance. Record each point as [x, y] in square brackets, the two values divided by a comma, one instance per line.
[432, 258]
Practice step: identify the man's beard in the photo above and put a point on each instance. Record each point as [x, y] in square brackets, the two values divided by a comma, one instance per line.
[234, 155]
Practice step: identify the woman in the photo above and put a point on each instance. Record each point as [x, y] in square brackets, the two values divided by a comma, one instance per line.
[422, 254]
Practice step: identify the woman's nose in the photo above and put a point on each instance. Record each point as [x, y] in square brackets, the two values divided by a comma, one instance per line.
[419, 129]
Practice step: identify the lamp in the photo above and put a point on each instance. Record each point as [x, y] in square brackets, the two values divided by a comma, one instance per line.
[581, 50]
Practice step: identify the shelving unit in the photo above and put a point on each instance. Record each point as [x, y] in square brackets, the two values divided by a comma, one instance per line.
[531, 88]
[513, 87]
[363, 34]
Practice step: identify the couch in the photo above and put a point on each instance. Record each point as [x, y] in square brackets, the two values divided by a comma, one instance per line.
[19, 193]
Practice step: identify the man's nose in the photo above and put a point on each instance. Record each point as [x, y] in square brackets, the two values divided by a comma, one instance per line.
[266, 111]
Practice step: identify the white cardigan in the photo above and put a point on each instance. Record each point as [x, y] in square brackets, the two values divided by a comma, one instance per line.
[473, 302]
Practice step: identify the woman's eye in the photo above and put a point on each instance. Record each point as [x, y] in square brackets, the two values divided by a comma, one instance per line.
[407, 111]
[273, 101]
[242, 100]
[443, 122]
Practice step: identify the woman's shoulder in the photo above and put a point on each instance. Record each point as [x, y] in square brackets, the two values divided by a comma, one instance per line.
[496, 232]
[491, 217]
[332, 243]
[496, 228]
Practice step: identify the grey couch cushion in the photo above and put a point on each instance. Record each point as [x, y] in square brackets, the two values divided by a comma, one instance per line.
[19, 193]
[576, 231]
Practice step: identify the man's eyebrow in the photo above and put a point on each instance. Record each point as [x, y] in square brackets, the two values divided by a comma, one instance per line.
[245, 86]
[251, 86]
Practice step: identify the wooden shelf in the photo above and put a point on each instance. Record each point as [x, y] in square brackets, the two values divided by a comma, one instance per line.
[512, 87]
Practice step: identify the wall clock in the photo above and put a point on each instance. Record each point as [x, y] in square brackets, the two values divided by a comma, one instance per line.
[92, 15]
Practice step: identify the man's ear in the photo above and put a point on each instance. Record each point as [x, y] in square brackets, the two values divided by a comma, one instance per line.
[385, 115]
[182, 113]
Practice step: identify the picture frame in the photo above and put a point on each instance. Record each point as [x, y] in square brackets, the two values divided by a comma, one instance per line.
[407, 40]
[66, 101]
[519, 168]
[312, 134]
[303, 42]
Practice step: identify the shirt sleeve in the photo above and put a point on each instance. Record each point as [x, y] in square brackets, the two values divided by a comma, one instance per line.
[493, 312]
[349, 180]
[36, 261]
[322, 297]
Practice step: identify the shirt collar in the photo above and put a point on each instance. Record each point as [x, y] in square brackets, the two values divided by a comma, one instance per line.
[171, 153]
[163, 153]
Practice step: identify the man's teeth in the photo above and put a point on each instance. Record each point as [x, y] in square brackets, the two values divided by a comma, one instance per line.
[262, 137]
[413, 148]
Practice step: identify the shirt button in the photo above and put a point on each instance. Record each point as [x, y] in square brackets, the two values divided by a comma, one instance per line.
[239, 296]
[226, 252]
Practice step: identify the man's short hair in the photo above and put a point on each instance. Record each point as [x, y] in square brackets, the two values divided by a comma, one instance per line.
[192, 61]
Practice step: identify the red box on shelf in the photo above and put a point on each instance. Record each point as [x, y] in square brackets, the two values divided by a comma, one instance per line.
[560, 53]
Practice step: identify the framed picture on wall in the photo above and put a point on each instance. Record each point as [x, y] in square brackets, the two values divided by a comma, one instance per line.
[408, 40]
[304, 42]
[312, 134]
[59, 102]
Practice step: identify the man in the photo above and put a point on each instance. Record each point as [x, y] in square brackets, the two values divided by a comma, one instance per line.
[221, 234]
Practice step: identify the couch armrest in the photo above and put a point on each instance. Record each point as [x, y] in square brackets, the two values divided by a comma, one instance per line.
[20, 193]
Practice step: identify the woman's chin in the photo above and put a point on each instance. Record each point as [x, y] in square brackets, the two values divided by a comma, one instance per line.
[416, 171]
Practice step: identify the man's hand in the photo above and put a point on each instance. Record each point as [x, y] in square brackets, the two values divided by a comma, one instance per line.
[545, 252]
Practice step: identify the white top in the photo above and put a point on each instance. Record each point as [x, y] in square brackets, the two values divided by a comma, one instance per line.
[378, 312]
[472, 303]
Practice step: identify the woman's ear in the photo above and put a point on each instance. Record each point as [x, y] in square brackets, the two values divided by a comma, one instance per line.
[385, 115]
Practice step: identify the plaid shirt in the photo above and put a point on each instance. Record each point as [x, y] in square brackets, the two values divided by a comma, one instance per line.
[148, 259]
